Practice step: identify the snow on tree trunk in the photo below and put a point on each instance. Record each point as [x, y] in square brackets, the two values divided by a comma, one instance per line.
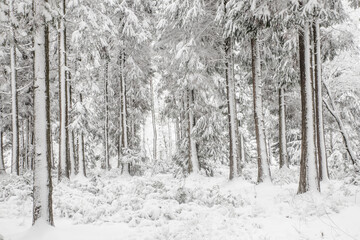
[81, 149]
[263, 163]
[334, 112]
[106, 127]
[282, 130]
[120, 122]
[2, 164]
[70, 133]
[153, 120]
[63, 168]
[308, 168]
[323, 165]
[126, 166]
[193, 155]
[230, 87]
[42, 191]
[240, 150]
[14, 98]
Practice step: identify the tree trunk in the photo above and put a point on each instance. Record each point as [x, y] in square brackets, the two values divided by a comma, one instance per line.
[63, 168]
[282, 130]
[263, 163]
[333, 110]
[323, 164]
[126, 166]
[153, 120]
[81, 159]
[106, 127]
[230, 87]
[308, 169]
[120, 118]
[70, 132]
[2, 164]
[14, 98]
[194, 166]
[42, 191]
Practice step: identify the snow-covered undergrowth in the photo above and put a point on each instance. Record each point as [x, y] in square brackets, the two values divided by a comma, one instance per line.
[161, 207]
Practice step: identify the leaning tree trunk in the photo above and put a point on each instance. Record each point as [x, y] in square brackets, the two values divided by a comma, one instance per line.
[333, 110]
[15, 168]
[263, 163]
[309, 180]
[323, 164]
[42, 191]
[63, 168]
[282, 130]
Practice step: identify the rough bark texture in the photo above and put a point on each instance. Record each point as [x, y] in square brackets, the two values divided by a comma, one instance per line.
[282, 130]
[308, 169]
[263, 163]
[323, 165]
[42, 191]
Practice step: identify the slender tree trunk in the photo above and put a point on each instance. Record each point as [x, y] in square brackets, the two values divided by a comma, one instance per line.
[63, 168]
[120, 119]
[334, 112]
[282, 130]
[27, 142]
[153, 120]
[308, 169]
[42, 191]
[2, 164]
[81, 159]
[194, 166]
[14, 98]
[241, 157]
[69, 130]
[263, 163]
[323, 165]
[106, 127]
[126, 166]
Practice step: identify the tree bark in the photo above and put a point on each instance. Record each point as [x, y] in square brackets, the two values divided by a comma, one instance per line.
[194, 166]
[263, 163]
[282, 130]
[81, 149]
[153, 120]
[106, 126]
[323, 164]
[308, 168]
[2, 164]
[15, 168]
[42, 191]
[63, 168]
[126, 166]
[230, 87]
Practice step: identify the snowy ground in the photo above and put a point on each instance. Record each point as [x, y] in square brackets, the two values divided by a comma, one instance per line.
[161, 207]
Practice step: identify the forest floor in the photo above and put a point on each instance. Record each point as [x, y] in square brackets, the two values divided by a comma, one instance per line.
[109, 206]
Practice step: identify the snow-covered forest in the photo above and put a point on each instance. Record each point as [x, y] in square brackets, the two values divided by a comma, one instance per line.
[179, 119]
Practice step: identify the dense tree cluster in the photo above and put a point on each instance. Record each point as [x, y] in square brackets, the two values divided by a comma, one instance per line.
[234, 82]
